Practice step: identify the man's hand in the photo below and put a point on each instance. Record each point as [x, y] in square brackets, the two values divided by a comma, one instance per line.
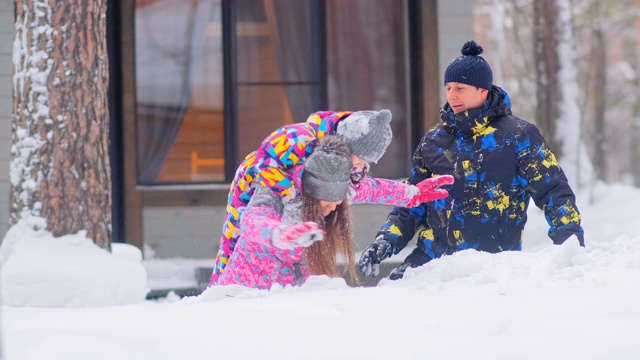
[413, 260]
[373, 255]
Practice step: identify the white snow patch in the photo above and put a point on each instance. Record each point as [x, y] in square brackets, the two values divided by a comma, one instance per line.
[40, 270]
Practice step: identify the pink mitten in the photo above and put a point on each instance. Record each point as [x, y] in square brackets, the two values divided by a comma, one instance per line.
[291, 236]
[428, 191]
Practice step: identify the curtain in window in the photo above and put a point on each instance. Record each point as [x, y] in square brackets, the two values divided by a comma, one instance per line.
[169, 38]
[296, 47]
[368, 68]
[351, 53]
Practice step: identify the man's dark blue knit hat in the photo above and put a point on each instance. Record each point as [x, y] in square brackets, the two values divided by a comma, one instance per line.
[470, 68]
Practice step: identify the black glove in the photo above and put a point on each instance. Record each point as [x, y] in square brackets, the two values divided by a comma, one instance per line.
[415, 259]
[372, 256]
[398, 272]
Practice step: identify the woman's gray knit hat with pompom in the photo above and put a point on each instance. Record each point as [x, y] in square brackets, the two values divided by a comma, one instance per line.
[327, 171]
[470, 68]
[368, 133]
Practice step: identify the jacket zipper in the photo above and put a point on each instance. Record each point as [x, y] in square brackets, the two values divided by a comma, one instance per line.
[479, 174]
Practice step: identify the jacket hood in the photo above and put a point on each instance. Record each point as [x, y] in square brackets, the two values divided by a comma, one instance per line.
[473, 121]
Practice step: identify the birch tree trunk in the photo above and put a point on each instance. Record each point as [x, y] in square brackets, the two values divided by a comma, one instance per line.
[599, 84]
[569, 125]
[60, 166]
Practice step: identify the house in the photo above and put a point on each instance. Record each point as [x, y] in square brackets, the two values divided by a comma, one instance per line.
[196, 85]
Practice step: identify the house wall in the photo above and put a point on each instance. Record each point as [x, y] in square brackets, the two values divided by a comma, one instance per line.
[7, 19]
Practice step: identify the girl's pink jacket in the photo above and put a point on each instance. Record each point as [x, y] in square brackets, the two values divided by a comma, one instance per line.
[256, 263]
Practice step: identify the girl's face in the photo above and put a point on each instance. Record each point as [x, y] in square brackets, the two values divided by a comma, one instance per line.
[328, 206]
[357, 162]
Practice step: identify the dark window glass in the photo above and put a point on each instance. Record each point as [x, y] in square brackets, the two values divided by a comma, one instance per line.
[179, 97]
[279, 74]
[368, 69]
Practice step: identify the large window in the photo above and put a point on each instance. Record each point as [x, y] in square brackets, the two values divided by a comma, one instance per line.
[179, 91]
[279, 66]
[286, 59]
[368, 69]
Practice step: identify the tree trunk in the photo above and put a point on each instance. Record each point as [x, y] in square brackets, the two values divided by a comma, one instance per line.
[599, 55]
[60, 166]
[635, 125]
[547, 70]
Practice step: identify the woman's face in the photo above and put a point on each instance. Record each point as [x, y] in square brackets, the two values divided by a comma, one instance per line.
[328, 206]
[357, 162]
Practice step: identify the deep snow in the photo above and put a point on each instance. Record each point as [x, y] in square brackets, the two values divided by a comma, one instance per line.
[66, 299]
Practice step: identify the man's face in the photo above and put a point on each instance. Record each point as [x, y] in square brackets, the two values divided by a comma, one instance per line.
[462, 97]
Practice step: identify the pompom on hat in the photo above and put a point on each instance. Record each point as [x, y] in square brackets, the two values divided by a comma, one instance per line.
[470, 68]
[327, 170]
[367, 133]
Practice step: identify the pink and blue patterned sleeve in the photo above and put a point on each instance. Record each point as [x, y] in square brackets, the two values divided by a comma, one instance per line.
[262, 216]
[381, 191]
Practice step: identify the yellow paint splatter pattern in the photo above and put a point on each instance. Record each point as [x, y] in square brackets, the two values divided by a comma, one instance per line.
[394, 230]
[498, 199]
[549, 159]
[426, 234]
[467, 168]
[570, 215]
[457, 236]
[481, 129]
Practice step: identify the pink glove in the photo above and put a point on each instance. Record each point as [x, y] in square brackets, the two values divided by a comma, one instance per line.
[428, 191]
[292, 236]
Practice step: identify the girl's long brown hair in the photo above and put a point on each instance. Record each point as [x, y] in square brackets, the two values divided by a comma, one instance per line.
[322, 256]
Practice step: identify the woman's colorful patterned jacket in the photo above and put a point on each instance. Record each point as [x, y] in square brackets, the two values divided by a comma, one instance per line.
[256, 263]
[499, 161]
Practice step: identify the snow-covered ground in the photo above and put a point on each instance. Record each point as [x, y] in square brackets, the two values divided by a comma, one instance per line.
[64, 299]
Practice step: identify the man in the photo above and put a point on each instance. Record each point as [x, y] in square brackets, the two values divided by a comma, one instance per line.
[499, 162]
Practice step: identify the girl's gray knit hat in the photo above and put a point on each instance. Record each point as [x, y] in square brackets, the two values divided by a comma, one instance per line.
[367, 133]
[327, 170]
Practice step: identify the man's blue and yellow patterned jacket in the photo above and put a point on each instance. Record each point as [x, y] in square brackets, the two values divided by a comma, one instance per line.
[499, 162]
